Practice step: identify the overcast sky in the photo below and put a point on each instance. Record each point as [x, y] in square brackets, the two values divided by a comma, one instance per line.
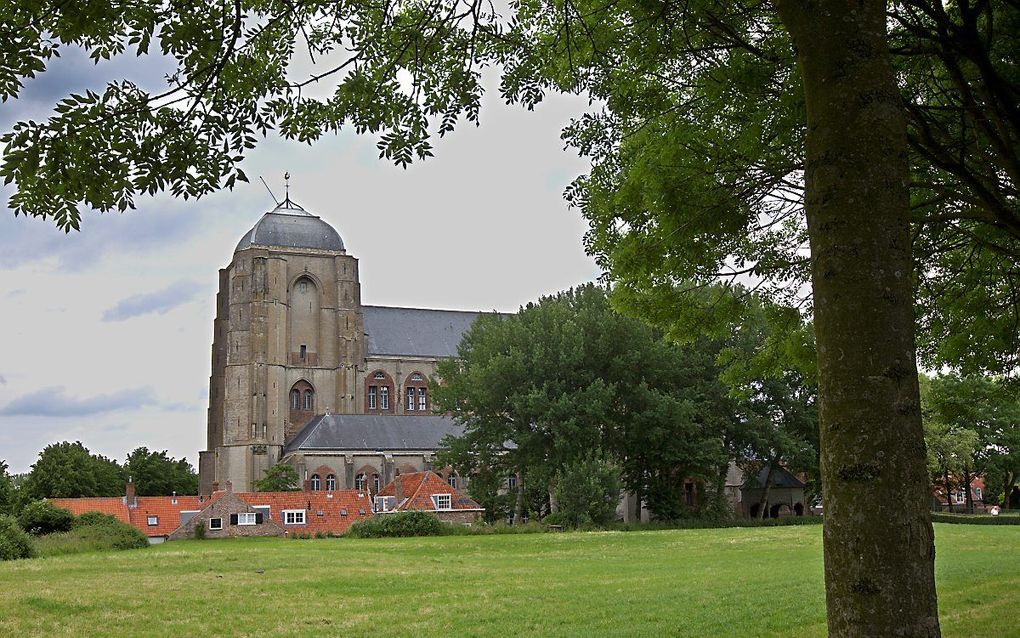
[107, 333]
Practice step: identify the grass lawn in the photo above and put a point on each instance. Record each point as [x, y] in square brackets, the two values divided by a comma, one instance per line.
[724, 582]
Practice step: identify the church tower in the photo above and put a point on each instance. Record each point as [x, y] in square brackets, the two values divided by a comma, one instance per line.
[287, 345]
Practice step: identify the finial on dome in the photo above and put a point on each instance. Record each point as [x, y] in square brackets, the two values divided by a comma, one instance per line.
[286, 179]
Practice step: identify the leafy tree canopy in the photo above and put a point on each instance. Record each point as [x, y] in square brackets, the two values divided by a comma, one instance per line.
[158, 474]
[69, 470]
[279, 478]
[542, 388]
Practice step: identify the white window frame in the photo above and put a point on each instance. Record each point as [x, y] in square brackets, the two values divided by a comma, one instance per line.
[217, 528]
[291, 517]
[384, 397]
[152, 521]
[246, 518]
[410, 398]
[372, 392]
[331, 482]
[451, 480]
[438, 499]
[422, 402]
[359, 482]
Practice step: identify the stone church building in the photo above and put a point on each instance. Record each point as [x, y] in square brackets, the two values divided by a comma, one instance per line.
[303, 373]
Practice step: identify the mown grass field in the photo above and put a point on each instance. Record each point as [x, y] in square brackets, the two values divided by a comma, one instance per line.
[721, 582]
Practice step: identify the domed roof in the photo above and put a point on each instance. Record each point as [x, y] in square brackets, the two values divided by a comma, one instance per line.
[290, 226]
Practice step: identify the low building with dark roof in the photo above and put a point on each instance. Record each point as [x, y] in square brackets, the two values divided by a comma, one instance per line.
[304, 373]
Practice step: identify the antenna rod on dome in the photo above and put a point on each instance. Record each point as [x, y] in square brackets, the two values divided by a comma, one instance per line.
[286, 178]
[270, 190]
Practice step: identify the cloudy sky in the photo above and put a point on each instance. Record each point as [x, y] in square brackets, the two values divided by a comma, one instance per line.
[107, 333]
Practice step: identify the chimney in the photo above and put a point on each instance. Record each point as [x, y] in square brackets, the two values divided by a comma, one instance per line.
[129, 494]
[230, 487]
[215, 486]
[306, 485]
[398, 487]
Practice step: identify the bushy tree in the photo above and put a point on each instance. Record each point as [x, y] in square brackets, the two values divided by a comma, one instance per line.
[158, 474]
[587, 491]
[279, 478]
[7, 495]
[568, 375]
[69, 470]
[43, 517]
[14, 542]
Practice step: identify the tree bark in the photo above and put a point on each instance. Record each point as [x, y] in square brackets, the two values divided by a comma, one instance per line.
[949, 492]
[878, 538]
[519, 503]
[969, 500]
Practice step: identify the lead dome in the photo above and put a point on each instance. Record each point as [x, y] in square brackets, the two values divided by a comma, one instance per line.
[291, 226]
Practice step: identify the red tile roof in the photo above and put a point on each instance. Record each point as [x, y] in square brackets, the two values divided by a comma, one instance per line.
[418, 488]
[166, 509]
[325, 512]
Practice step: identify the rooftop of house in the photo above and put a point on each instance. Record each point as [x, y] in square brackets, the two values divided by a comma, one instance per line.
[414, 491]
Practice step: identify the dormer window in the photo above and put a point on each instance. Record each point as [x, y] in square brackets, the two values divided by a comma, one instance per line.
[442, 501]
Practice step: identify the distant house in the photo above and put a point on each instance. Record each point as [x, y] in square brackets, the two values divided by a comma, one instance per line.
[228, 514]
[427, 492]
[155, 516]
[957, 501]
[785, 496]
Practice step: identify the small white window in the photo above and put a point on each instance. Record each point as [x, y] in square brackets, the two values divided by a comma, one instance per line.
[246, 518]
[215, 523]
[293, 517]
[442, 501]
[153, 521]
[410, 399]
[452, 480]
[316, 483]
[331, 483]
[977, 493]
[421, 399]
[371, 396]
[384, 397]
[359, 482]
[375, 483]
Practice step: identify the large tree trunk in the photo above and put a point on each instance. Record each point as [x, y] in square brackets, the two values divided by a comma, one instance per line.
[878, 537]
[969, 500]
[519, 502]
[949, 491]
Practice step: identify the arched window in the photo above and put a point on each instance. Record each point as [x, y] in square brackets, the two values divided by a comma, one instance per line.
[295, 399]
[359, 482]
[379, 391]
[331, 482]
[316, 483]
[375, 483]
[452, 480]
[309, 400]
[415, 393]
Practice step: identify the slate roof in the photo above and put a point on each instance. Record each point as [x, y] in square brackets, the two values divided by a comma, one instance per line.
[415, 332]
[418, 489]
[290, 226]
[781, 477]
[373, 432]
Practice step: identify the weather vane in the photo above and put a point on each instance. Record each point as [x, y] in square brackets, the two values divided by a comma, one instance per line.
[286, 178]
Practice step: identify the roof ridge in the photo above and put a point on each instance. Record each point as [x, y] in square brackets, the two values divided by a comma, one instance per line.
[469, 312]
[417, 489]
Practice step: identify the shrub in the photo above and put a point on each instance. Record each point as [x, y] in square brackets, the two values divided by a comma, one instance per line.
[97, 533]
[199, 530]
[14, 542]
[89, 519]
[43, 517]
[397, 524]
[975, 519]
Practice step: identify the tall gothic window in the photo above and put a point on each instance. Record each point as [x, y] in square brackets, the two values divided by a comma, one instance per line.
[410, 399]
[422, 402]
[331, 482]
[384, 398]
[309, 400]
[372, 392]
[359, 482]
[295, 399]
[316, 483]
[375, 483]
